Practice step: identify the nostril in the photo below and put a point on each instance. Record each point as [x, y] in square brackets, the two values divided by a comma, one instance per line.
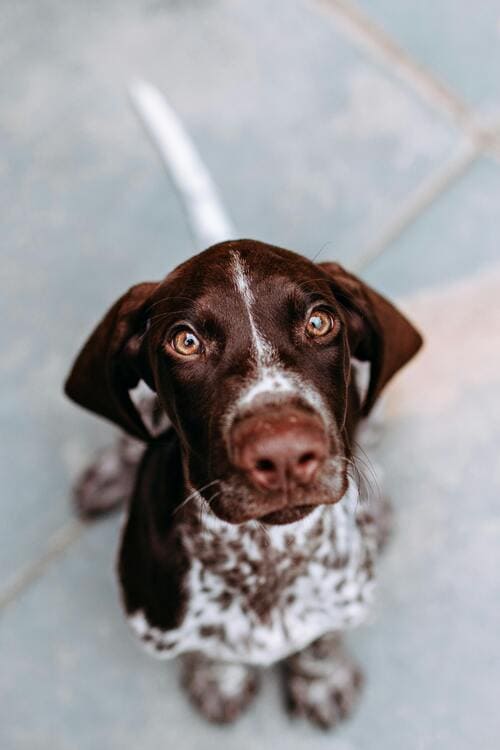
[266, 474]
[306, 458]
[306, 466]
[264, 464]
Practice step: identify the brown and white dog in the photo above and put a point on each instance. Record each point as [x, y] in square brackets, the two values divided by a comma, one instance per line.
[245, 543]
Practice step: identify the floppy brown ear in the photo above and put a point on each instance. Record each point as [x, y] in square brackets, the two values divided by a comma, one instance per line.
[109, 364]
[377, 331]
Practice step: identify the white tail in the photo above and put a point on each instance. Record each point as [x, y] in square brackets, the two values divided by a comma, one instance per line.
[208, 220]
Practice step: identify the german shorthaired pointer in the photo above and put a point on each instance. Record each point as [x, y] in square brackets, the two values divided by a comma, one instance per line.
[245, 542]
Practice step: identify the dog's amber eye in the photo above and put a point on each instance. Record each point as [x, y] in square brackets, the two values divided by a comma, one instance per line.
[186, 343]
[319, 324]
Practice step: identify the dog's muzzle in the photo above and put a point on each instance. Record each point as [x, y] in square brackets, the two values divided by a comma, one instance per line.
[280, 448]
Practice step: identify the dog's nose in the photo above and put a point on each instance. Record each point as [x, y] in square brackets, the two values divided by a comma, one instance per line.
[280, 448]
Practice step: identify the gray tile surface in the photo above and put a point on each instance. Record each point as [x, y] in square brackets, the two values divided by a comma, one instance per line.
[456, 236]
[275, 97]
[313, 145]
[459, 42]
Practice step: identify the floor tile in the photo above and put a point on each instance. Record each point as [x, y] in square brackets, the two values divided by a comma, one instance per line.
[457, 41]
[435, 641]
[310, 142]
[454, 238]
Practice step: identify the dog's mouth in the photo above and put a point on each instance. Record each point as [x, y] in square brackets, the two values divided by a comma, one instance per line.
[284, 511]
[286, 515]
[237, 503]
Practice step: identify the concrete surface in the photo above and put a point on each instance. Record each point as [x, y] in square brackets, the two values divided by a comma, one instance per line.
[365, 131]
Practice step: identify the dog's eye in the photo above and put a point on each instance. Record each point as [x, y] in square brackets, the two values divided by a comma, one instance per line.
[319, 324]
[186, 343]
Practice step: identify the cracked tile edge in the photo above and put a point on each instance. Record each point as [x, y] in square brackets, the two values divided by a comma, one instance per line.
[59, 542]
[372, 38]
[422, 198]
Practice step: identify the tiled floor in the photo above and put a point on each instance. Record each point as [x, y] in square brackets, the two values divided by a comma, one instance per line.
[326, 125]
[457, 42]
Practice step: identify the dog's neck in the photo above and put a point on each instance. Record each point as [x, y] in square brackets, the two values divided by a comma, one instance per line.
[349, 502]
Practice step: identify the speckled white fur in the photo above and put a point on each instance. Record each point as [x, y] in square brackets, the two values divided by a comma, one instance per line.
[327, 597]
[269, 378]
[264, 353]
[319, 604]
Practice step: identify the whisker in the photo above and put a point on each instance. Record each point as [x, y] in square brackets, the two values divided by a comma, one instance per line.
[264, 531]
[194, 494]
[363, 457]
[169, 312]
[301, 284]
[330, 242]
[365, 485]
[162, 316]
[212, 497]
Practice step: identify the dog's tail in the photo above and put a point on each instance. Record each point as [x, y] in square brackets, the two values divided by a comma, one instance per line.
[206, 215]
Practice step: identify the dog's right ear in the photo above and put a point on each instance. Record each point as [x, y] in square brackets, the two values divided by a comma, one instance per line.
[378, 333]
[112, 362]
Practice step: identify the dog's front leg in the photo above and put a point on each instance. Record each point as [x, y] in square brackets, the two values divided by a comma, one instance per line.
[322, 681]
[220, 690]
[109, 480]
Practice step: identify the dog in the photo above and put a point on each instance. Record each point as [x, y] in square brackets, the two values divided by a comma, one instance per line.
[245, 542]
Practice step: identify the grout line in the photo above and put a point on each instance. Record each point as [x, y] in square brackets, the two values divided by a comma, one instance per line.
[58, 543]
[482, 137]
[367, 34]
[421, 199]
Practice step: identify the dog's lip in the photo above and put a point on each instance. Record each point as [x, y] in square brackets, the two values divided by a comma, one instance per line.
[284, 505]
[270, 515]
[272, 509]
[294, 510]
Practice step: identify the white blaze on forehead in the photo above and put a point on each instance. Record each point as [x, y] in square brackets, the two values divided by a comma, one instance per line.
[263, 351]
[280, 382]
[271, 376]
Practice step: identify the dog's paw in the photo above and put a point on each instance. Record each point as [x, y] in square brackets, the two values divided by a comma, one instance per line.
[219, 690]
[324, 690]
[108, 482]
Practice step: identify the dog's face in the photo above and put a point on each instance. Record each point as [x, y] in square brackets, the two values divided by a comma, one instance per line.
[249, 348]
[251, 363]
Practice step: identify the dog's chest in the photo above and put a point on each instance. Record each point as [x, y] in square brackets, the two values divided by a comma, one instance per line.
[257, 594]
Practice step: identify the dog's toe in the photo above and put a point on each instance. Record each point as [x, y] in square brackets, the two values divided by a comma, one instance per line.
[323, 688]
[219, 690]
[106, 484]
[321, 700]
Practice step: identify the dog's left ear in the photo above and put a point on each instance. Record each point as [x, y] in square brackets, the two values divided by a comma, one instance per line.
[377, 332]
[112, 362]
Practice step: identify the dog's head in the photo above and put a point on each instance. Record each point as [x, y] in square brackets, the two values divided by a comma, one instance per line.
[250, 349]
